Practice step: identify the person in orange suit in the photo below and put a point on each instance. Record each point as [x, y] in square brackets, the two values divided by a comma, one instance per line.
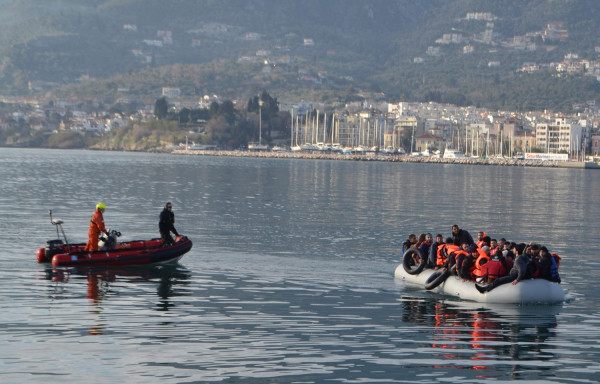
[96, 227]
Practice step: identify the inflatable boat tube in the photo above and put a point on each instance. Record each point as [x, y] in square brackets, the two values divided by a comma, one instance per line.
[436, 278]
[531, 291]
[413, 261]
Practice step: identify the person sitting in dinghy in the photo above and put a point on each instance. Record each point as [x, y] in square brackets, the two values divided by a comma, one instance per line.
[409, 243]
[433, 250]
[424, 247]
[495, 268]
[445, 254]
[548, 266]
[521, 270]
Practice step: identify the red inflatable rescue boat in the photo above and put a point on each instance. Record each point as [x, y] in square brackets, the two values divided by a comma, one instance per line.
[111, 252]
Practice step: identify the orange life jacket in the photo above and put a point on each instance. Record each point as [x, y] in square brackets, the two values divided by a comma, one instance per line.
[444, 251]
[557, 258]
[479, 262]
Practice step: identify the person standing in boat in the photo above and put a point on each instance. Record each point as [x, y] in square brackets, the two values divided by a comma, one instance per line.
[96, 228]
[461, 236]
[166, 224]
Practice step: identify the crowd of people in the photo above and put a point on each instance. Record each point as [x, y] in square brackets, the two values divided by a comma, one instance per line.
[487, 261]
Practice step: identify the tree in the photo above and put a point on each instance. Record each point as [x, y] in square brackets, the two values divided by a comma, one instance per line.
[161, 108]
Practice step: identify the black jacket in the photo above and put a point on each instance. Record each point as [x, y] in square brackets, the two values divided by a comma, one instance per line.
[462, 237]
[166, 222]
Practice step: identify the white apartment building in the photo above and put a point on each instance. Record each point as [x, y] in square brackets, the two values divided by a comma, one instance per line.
[559, 135]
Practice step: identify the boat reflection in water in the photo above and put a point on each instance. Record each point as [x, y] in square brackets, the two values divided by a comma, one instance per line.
[491, 338]
[103, 282]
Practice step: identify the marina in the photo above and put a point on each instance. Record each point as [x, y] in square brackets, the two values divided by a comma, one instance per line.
[314, 154]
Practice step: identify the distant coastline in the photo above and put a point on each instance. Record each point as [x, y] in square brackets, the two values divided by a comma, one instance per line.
[389, 158]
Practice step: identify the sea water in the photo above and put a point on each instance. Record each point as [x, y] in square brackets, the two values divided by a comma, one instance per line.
[290, 279]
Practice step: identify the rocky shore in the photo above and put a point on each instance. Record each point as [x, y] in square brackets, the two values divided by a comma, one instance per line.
[388, 158]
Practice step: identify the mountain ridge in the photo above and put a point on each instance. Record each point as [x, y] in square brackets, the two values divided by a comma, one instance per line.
[331, 49]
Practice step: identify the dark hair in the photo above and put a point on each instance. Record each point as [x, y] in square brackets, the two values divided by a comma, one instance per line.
[534, 247]
[449, 240]
[543, 248]
[439, 235]
[520, 248]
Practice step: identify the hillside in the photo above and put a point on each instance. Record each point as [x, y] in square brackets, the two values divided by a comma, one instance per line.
[457, 51]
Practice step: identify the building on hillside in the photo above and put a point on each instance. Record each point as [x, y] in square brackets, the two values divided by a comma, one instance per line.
[171, 92]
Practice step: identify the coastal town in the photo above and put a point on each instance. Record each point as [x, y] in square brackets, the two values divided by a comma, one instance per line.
[372, 128]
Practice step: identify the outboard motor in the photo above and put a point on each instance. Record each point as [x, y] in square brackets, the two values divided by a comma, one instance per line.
[107, 243]
[53, 247]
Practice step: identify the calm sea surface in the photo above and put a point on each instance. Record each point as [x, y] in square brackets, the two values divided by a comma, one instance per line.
[290, 279]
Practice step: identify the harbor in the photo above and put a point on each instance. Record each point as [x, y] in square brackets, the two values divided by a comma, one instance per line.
[394, 158]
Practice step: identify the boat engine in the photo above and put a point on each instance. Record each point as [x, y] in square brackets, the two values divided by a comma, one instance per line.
[52, 248]
[107, 243]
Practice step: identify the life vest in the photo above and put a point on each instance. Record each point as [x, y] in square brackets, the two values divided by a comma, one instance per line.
[557, 259]
[494, 269]
[494, 251]
[554, 276]
[554, 270]
[444, 251]
[457, 254]
[476, 269]
[480, 243]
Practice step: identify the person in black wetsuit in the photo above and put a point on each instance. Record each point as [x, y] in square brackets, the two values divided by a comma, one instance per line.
[166, 224]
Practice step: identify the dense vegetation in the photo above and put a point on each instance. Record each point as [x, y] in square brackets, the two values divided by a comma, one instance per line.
[81, 49]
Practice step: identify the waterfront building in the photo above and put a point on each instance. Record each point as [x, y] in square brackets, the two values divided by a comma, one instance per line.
[429, 142]
[559, 135]
[595, 145]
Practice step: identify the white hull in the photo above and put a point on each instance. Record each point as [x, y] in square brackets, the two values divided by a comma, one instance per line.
[534, 291]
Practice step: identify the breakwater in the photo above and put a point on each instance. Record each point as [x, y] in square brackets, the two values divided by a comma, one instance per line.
[389, 158]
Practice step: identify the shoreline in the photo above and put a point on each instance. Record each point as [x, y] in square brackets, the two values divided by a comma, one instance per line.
[389, 158]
